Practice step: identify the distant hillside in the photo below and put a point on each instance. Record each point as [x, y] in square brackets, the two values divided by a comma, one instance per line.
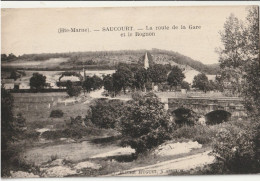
[184, 60]
[109, 59]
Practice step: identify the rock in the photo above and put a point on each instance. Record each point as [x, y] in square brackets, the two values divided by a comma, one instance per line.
[21, 174]
[59, 171]
[87, 164]
[202, 120]
[169, 149]
[119, 151]
[69, 140]
[57, 162]
[42, 130]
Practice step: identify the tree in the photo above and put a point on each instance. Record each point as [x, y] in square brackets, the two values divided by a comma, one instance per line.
[201, 82]
[106, 113]
[140, 78]
[88, 84]
[123, 78]
[251, 87]
[37, 82]
[108, 83]
[176, 76]
[185, 85]
[14, 75]
[237, 146]
[92, 83]
[145, 124]
[72, 90]
[4, 57]
[157, 73]
[232, 39]
[233, 56]
[7, 119]
[97, 82]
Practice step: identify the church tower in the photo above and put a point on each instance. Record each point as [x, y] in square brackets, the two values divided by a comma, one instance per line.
[146, 61]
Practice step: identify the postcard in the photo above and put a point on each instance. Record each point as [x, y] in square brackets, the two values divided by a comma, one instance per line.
[130, 91]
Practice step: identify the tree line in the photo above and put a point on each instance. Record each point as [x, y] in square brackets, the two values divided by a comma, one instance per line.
[130, 77]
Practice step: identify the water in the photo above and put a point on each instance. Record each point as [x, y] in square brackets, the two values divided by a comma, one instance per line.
[70, 151]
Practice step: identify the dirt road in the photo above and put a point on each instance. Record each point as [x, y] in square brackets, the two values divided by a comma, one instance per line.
[167, 167]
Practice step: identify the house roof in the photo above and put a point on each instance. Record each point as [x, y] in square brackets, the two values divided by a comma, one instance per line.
[71, 78]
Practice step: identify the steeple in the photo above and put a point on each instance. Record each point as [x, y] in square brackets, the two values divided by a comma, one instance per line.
[146, 61]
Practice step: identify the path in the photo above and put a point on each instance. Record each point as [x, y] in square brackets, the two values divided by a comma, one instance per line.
[167, 167]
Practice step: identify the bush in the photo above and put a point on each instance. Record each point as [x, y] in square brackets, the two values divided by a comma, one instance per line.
[106, 113]
[56, 113]
[145, 124]
[236, 148]
[51, 135]
[200, 133]
[72, 90]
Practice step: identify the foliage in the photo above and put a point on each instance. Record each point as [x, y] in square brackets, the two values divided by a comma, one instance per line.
[123, 78]
[12, 126]
[97, 82]
[37, 81]
[75, 128]
[201, 82]
[251, 91]
[236, 145]
[241, 50]
[140, 78]
[7, 118]
[14, 75]
[11, 130]
[145, 124]
[108, 83]
[232, 39]
[106, 113]
[185, 85]
[72, 90]
[157, 73]
[9, 57]
[236, 148]
[251, 87]
[176, 76]
[92, 83]
[201, 133]
[56, 113]
[19, 122]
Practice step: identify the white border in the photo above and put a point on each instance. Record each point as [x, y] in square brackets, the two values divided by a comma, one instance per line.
[56, 4]
[71, 4]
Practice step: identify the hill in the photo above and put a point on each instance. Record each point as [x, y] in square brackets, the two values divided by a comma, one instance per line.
[105, 60]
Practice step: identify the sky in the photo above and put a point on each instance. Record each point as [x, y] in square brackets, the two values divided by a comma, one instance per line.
[26, 31]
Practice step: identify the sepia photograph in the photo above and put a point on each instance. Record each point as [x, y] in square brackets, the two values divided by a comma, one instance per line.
[130, 91]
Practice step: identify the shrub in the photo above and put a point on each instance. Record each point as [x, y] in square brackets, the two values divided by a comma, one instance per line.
[54, 157]
[236, 148]
[31, 135]
[200, 133]
[72, 90]
[105, 113]
[49, 135]
[145, 124]
[56, 113]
